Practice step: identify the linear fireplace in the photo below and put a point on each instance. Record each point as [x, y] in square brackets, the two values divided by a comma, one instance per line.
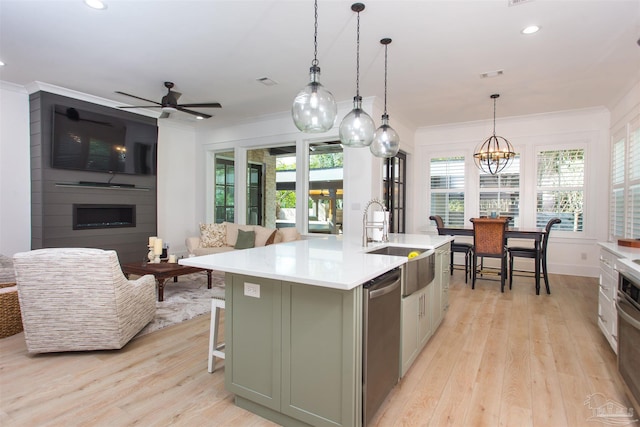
[94, 216]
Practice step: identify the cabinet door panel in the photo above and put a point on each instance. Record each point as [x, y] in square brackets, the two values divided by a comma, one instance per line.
[409, 343]
[254, 324]
[321, 346]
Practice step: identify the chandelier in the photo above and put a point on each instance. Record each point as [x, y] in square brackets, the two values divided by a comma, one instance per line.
[495, 153]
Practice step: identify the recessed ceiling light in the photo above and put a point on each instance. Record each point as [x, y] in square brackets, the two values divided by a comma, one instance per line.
[531, 29]
[1, 64]
[199, 118]
[95, 4]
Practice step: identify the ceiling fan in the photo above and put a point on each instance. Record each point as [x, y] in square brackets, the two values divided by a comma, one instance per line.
[169, 103]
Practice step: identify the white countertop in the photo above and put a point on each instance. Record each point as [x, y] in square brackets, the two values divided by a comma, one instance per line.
[621, 251]
[328, 261]
[625, 255]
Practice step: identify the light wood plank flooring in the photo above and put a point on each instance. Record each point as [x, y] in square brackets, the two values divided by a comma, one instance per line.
[512, 359]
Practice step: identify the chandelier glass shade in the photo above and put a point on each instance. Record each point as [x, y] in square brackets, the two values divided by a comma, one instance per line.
[386, 141]
[314, 109]
[357, 128]
[495, 153]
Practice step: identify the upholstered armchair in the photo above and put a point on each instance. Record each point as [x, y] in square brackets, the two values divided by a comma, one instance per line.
[78, 299]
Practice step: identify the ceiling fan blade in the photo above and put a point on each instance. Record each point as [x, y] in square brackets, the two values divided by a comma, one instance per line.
[195, 113]
[137, 97]
[204, 105]
[142, 106]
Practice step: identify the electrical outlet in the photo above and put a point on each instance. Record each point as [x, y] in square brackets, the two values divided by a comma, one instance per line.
[251, 290]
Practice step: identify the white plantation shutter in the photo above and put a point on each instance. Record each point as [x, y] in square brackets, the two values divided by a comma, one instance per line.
[633, 205]
[616, 209]
[560, 188]
[625, 182]
[501, 193]
[447, 189]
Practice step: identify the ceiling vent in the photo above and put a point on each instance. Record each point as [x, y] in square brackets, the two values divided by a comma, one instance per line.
[488, 74]
[266, 81]
[518, 2]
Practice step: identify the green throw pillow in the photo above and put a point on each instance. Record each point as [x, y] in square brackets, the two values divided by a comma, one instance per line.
[246, 239]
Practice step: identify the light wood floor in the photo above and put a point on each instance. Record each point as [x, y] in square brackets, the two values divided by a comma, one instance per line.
[512, 359]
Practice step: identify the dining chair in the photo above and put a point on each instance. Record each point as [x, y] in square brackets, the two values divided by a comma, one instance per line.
[539, 254]
[489, 241]
[466, 248]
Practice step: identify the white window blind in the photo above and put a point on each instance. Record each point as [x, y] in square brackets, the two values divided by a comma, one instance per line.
[501, 193]
[625, 182]
[633, 205]
[616, 210]
[447, 189]
[560, 188]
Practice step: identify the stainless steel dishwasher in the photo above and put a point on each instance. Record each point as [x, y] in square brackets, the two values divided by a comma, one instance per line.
[381, 340]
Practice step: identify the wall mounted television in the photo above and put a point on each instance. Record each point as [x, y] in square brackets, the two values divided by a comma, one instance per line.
[88, 141]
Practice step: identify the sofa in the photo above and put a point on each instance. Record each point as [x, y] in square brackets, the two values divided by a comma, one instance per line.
[228, 236]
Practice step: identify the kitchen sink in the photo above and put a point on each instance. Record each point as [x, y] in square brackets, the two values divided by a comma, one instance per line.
[419, 271]
[396, 251]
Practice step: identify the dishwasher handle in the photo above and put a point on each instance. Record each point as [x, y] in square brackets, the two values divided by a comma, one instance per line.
[383, 285]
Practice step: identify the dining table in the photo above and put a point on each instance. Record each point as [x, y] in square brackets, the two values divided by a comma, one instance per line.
[531, 233]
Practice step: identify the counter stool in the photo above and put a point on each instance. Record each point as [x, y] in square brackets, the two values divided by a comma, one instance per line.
[215, 349]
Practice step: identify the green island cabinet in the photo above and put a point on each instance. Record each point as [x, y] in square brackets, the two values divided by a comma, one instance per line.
[294, 351]
[293, 355]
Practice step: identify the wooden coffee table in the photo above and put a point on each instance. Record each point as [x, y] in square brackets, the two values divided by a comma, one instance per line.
[162, 272]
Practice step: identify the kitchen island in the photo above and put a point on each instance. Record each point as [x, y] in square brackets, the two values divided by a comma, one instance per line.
[293, 323]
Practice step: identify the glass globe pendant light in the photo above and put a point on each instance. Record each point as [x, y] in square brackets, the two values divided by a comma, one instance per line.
[314, 109]
[357, 127]
[386, 142]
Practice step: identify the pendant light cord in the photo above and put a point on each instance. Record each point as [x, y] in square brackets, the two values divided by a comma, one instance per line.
[494, 116]
[315, 37]
[358, 57]
[385, 78]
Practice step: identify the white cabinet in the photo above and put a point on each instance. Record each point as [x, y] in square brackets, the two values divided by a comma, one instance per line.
[440, 302]
[423, 311]
[416, 325]
[608, 282]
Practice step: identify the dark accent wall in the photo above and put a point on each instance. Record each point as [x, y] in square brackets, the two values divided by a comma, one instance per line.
[53, 191]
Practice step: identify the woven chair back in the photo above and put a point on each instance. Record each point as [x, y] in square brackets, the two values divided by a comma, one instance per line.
[489, 236]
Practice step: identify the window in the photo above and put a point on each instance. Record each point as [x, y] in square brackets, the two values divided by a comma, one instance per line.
[500, 193]
[225, 181]
[447, 189]
[254, 194]
[633, 205]
[560, 188]
[618, 184]
[625, 181]
[394, 180]
[285, 186]
[326, 160]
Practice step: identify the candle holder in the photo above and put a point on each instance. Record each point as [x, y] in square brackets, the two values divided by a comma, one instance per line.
[151, 255]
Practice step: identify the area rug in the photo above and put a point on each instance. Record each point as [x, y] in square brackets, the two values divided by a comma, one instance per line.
[185, 299]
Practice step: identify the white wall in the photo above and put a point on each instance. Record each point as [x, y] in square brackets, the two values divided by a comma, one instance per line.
[567, 254]
[15, 177]
[176, 178]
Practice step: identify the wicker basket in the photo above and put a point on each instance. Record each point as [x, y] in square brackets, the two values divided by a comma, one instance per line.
[10, 318]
